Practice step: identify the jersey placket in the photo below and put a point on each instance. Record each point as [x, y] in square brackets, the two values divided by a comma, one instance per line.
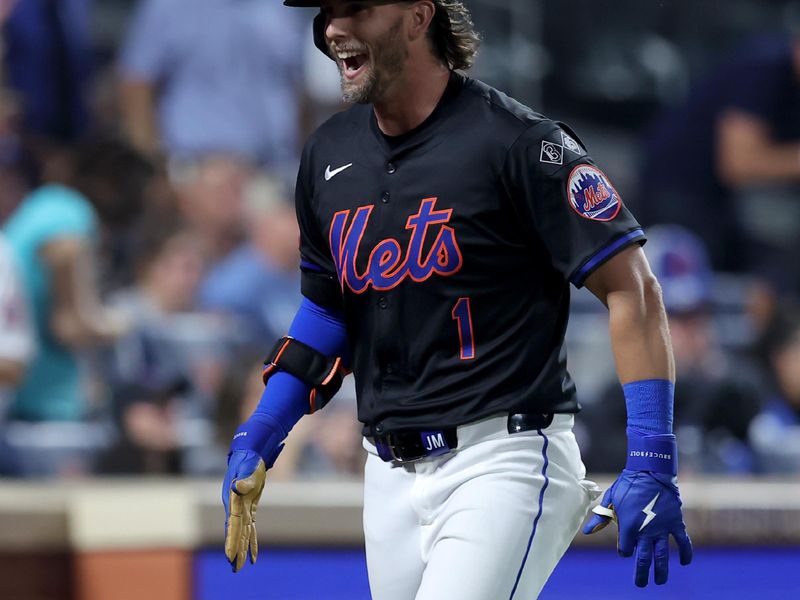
[388, 330]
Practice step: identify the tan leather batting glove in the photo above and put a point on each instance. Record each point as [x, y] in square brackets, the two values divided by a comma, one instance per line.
[240, 528]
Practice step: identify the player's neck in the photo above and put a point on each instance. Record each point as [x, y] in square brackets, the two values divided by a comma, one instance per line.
[411, 100]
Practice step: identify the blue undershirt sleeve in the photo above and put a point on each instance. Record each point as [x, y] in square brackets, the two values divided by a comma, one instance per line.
[285, 397]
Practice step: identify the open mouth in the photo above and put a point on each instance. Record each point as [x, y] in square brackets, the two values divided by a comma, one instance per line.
[353, 64]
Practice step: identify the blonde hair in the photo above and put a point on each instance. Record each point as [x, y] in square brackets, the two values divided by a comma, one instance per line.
[452, 34]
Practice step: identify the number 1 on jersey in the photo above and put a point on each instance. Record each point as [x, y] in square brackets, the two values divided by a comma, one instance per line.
[463, 316]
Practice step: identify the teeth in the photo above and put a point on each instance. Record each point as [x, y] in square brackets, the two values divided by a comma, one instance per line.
[349, 54]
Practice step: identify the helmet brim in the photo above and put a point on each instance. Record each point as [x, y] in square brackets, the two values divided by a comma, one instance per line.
[318, 3]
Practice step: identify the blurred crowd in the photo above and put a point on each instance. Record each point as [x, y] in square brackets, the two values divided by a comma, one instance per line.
[148, 245]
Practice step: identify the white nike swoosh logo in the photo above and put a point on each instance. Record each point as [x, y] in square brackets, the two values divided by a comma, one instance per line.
[649, 515]
[331, 174]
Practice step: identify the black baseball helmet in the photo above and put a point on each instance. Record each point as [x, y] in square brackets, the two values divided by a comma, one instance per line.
[447, 23]
[317, 3]
[319, 23]
[319, 20]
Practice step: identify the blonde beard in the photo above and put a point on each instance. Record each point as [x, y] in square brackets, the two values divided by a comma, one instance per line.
[389, 57]
[363, 93]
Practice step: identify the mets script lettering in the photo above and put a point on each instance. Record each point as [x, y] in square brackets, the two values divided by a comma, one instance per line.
[388, 264]
[595, 198]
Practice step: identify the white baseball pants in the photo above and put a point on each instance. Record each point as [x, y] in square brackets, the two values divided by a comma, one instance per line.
[488, 521]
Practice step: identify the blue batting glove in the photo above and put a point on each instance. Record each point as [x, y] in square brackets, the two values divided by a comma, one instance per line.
[647, 508]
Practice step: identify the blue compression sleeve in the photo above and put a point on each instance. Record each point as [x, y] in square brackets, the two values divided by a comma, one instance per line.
[649, 404]
[651, 444]
[285, 398]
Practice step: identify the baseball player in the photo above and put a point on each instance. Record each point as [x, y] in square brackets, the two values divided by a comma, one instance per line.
[442, 223]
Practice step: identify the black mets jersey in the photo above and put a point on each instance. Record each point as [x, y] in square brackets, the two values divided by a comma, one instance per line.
[450, 250]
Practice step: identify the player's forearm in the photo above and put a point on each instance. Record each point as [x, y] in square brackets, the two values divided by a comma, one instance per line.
[646, 368]
[639, 332]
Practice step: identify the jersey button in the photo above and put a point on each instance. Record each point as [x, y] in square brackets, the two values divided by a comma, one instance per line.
[383, 303]
[390, 168]
[379, 428]
[389, 369]
[386, 197]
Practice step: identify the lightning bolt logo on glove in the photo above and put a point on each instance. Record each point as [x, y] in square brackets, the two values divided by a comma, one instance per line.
[648, 511]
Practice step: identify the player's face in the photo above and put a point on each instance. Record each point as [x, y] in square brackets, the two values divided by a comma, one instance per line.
[368, 42]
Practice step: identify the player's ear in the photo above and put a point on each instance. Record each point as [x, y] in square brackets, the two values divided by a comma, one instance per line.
[422, 13]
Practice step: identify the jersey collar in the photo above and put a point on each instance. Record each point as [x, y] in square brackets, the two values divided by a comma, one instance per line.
[393, 145]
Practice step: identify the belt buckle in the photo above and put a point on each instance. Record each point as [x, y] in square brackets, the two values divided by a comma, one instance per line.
[391, 448]
[405, 458]
[406, 447]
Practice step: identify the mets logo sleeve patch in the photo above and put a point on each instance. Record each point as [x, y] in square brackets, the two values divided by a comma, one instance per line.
[591, 195]
[570, 204]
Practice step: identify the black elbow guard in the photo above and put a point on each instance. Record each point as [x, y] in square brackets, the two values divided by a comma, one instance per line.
[323, 373]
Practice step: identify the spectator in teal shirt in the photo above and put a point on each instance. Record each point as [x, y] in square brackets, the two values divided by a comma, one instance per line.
[53, 233]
